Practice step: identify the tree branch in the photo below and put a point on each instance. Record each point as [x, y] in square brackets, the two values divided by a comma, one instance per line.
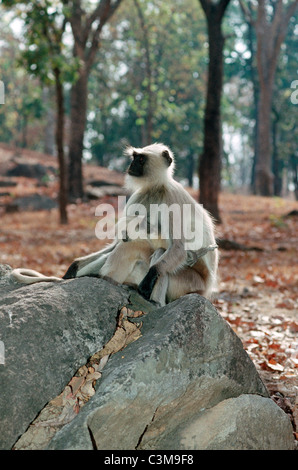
[246, 13]
[277, 18]
[219, 7]
[280, 26]
[222, 6]
[206, 5]
[290, 11]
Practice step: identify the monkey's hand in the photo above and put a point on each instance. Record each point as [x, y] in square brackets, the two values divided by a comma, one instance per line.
[193, 256]
[147, 284]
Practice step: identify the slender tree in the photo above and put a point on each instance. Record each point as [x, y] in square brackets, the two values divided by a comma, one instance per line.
[271, 24]
[247, 12]
[86, 29]
[43, 56]
[210, 159]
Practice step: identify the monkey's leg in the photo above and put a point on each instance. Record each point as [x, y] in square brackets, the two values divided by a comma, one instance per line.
[121, 262]
[90, 264]
[93, 268]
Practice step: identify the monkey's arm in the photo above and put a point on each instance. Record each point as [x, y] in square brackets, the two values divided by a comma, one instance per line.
[193, 256]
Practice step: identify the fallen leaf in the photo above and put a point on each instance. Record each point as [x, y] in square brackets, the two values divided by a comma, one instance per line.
[267, 365]
[76, 383]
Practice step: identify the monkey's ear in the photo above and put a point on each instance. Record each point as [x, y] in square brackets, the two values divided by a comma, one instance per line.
[167, 157]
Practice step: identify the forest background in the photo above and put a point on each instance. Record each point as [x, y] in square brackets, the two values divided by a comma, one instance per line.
[217, 82]
[145, 68]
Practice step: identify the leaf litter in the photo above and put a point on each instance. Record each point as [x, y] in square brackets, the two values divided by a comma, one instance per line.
[271, 342]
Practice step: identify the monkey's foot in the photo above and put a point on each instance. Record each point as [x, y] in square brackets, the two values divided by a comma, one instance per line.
[71, 273]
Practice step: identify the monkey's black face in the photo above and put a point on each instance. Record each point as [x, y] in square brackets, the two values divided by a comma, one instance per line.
[137, 166]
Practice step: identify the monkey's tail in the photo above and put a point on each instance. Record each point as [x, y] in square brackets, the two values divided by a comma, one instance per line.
[29, 276]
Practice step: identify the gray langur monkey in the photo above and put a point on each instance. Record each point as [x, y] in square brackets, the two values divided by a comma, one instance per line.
[163, 266]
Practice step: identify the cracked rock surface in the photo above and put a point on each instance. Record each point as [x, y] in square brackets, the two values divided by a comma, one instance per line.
[48, 331]
[186, 383]
[188, 368]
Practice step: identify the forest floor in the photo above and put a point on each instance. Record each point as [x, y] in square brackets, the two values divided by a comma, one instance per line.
[257, 290]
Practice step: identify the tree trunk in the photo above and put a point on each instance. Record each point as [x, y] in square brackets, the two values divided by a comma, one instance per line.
[78, 116]
[254, 80]
[294, 165]
[270, 35]
[210, 160]
[276, 163]
[60, 148]
[264, 175]
[190, 168]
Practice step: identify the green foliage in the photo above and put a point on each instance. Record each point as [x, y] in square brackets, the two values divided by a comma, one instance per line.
[21, 116]
[124, 98]
[178, 61]
[45, 50]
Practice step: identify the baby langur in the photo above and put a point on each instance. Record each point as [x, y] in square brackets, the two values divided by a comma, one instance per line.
[164, 264]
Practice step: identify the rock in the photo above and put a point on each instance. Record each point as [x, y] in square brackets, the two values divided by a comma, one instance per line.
[176, 388]
[99, 183]
[48, 331]
[28, 170]
[186, 383]
[7, 183]
[232, 424]
[32, 202]
[106, 190]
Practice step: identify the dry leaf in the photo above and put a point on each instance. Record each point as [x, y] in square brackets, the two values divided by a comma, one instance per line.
[76, 383]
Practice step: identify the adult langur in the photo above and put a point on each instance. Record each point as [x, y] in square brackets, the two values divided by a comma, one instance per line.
[164, 263]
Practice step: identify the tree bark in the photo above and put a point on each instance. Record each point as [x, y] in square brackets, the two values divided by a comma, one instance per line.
[276, 163]
[60, 148]
[210, 160]
[270, 35]
[264, 175]
[49, 132]
[78, 117]
[254, 80]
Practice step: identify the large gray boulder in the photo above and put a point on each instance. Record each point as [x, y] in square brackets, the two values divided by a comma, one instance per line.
[48, 331]
[186, 383]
